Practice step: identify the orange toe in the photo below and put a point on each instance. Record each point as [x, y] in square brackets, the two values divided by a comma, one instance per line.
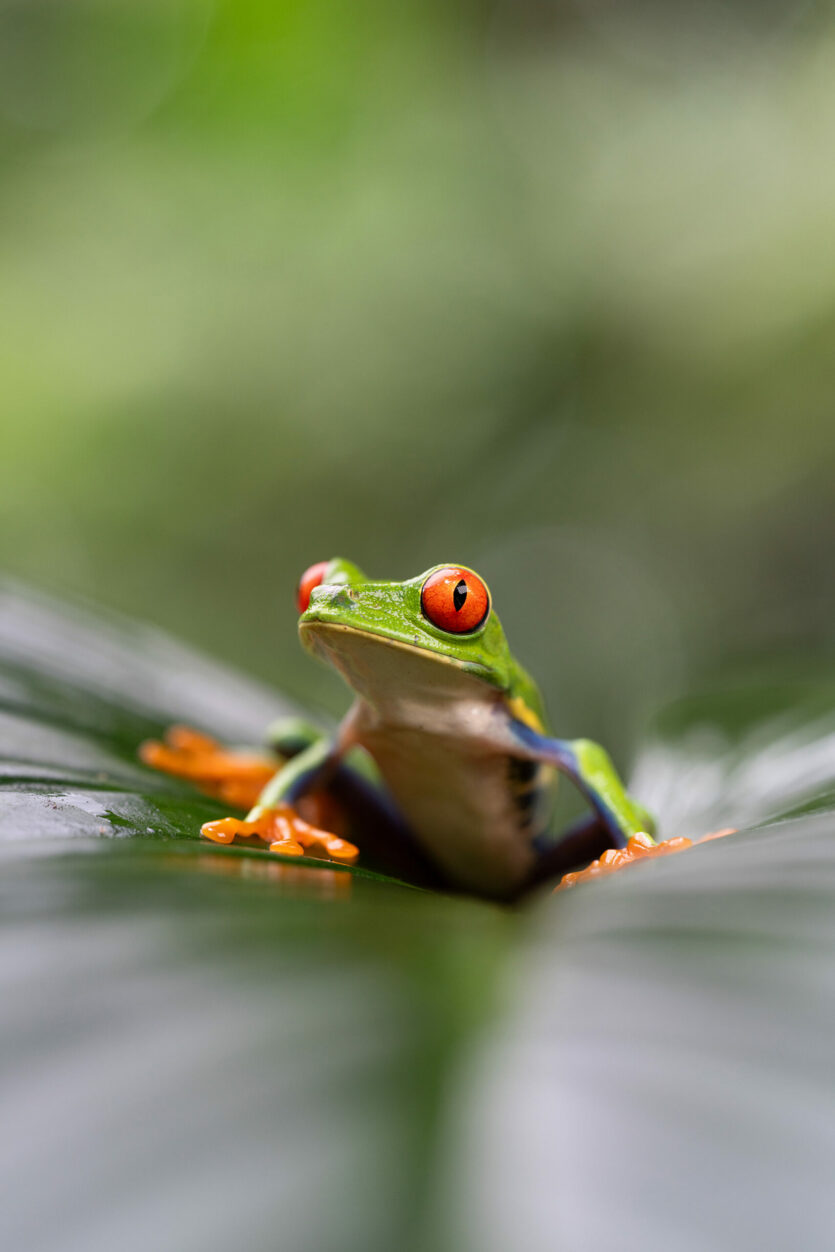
[639, 848]
[287, 847]
[236, 778]
[341, 850]
[286, 833]
[719, 834]
[226, 829]
[187, 739]
[323, 843]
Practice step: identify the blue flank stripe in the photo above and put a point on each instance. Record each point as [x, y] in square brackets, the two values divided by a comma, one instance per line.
[560, 753]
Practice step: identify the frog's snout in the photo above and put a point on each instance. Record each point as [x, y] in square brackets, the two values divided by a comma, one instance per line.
[326, 598]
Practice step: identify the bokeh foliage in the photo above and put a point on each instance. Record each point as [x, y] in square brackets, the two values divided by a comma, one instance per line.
[546, 288]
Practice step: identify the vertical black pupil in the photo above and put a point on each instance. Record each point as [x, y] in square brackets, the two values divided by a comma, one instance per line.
[459, 595]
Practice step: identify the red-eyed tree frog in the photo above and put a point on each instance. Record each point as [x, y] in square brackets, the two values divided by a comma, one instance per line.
[453, 724]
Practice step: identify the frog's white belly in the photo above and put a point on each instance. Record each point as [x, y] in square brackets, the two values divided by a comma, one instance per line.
[457, 801]
[439, 736]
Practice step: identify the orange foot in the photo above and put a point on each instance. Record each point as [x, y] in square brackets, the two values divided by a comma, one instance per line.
[236, 778]
[639, 848]
[285, 832]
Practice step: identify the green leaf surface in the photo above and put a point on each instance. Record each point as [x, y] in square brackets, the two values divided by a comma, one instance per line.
[211, 1047]
[750, 751]
[663, 1078]
[202, 1047]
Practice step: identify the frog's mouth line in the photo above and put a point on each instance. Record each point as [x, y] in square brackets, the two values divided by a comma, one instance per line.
[471, 668]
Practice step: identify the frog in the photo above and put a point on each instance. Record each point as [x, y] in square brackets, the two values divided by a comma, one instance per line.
[462, 759]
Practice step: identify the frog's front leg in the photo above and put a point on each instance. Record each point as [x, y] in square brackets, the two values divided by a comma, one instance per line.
[629, 826]
[591, 770]
[274, 817]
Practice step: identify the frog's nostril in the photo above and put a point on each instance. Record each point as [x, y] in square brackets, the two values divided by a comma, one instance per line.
[331, 597]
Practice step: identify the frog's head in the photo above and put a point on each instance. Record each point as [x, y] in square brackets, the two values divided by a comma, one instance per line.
[427, 631]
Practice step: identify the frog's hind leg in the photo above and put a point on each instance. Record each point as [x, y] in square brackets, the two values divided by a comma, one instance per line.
[291, 735]
[234, 776]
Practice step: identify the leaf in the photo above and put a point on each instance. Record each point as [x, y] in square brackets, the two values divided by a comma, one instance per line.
[210, 1047]
[110, 676]
[664, 1076]
[749, 751]
[78, 692]
[202, 1047]
[207, 1051]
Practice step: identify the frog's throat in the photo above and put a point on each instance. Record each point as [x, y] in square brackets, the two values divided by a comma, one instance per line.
[308, 632]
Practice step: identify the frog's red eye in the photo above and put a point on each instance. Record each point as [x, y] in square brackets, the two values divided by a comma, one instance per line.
[311, 578]
[455, 600]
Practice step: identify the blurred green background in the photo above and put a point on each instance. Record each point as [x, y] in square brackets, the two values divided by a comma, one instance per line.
[548, 289]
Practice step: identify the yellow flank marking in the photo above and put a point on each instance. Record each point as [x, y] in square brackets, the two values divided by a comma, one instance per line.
[522, 789]
[524, 713]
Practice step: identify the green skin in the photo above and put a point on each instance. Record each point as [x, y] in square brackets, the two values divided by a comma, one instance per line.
[479, 702]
